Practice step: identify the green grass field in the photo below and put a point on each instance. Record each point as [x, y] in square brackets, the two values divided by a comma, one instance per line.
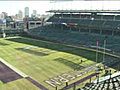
[41, 60]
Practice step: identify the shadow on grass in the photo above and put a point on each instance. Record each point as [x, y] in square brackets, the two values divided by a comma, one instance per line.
[3, 44]
[32, 52]
[58, 47]
[90, 55]
[71, 64]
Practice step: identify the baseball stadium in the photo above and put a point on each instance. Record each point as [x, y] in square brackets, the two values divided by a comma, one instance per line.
[71, 50]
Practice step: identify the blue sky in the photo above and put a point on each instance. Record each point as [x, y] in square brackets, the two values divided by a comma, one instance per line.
[12, 7]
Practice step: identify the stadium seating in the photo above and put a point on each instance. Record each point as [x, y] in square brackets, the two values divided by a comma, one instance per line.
[98, 17]
[79, 33]
[111, 24]
[87, 16]
[108, 17]
[65, 35]
[72, 16]
[98, 22]
[109, 84]
[117, 17]
[66, 15]
[12, 32]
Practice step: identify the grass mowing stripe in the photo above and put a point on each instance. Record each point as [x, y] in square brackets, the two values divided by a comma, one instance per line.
[45, 67]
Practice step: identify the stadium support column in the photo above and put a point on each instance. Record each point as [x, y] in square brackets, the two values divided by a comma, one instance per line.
[80, 15]
[90, 26]
[110, 73]
[101, 17]
[113, 32]
[97, 78]
[101, 28]
[114, 17]
[14, 25]
[66, 84]
[70, 28]
[35, 24]
[100, 31]
[90, 80]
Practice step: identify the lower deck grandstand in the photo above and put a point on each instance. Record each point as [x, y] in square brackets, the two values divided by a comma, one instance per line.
[72, 37]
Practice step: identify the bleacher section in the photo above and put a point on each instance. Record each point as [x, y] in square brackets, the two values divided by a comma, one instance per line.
[88, 16]
[63, 34]
[110, 83]
[11, 32]
[104, 23]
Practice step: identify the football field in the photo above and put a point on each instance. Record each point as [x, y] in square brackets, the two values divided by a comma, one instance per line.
[48, 64]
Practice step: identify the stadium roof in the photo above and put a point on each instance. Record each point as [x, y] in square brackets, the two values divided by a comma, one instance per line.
[84, 11]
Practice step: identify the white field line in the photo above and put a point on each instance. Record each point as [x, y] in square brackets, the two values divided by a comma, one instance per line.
[13, 68]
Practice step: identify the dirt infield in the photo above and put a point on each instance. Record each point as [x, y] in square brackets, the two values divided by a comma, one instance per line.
[7, 74]
[36, 83]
